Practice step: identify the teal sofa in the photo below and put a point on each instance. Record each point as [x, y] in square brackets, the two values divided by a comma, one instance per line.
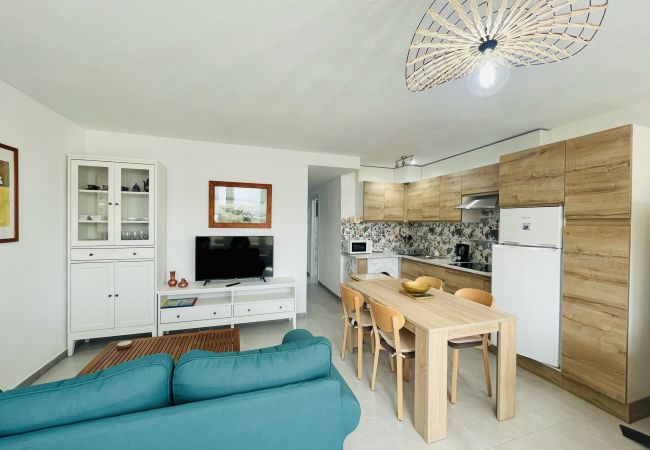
[284, 397]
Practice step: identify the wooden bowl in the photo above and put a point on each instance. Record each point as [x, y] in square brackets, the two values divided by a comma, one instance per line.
[414, 287]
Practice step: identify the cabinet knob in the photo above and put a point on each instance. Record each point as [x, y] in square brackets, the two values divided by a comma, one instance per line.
[117, 295]
[135, 253]
[178, 316]
[249, 310]
[117, 204]
[110, 295]
[90, 254]
[280, 307]
[110, 203]
[214, 313]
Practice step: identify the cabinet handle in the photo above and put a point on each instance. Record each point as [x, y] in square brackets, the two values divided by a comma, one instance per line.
[110, 203]
[90, 254]
[280, 307]
[110, 295]
[134, 253]
[117, 204]
[249, 310]
[178, 316]
[214, 313]
[117, 295]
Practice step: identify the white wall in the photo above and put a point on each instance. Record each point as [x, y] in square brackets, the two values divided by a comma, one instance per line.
[33, 270]
[329, 233]
[191, 164]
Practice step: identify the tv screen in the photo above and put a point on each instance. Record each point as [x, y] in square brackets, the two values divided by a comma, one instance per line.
[228, 257]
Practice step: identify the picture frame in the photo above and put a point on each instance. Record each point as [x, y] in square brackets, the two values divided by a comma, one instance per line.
[9, 188]
[239, 205]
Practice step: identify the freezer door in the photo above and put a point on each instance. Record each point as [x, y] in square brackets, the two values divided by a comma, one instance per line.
[526, 282]
[540, 227]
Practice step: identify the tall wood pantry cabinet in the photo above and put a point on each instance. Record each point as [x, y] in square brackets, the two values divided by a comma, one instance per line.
[115, 246]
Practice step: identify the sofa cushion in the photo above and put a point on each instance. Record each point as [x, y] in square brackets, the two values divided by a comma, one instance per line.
[201, 375]
[136, 385]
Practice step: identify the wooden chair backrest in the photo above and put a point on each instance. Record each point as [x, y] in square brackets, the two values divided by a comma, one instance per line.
[476, 295]
[385, 318]
[435, 283]
[352, 300]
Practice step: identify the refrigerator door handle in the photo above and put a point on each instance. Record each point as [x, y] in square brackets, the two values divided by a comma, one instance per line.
[518, 244]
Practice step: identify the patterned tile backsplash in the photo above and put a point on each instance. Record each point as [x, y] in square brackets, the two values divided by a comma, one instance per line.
[431, 236]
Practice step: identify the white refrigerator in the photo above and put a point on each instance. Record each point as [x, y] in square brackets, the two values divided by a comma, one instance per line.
[527, 278]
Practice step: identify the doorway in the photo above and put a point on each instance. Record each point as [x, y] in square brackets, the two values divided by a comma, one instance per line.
[313, 244]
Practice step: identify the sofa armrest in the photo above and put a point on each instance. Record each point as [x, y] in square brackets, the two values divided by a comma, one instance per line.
[350, 408]
[296, 335]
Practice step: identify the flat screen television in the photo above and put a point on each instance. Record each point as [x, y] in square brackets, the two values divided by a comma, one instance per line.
[230, 257]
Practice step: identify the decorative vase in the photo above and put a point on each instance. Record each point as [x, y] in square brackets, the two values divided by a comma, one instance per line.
[183, 283]
[146, 185]
[135, 188]
[172, 279]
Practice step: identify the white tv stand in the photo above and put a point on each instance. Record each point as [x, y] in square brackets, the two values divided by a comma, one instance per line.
[218, 305]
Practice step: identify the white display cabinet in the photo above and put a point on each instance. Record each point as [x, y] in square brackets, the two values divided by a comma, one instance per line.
[115, 246]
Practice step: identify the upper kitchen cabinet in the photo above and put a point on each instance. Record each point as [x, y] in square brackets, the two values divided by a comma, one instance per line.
[598, 175]
[450, 197]
[423, 200]
[481, 180]
[533, 177]
[383, 201]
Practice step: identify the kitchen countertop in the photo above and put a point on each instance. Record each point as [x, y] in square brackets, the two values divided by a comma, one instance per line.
[440, 262]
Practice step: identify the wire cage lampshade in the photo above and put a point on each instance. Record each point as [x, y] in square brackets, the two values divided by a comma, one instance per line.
[482, 39]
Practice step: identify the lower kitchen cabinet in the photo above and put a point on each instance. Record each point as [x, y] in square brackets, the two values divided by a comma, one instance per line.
[111, 295]
[454, 279]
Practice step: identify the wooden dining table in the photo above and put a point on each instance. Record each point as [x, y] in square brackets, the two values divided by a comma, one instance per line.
[434, 321]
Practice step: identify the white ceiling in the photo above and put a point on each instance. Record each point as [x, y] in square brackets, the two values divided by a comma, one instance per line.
[324, 76]
[318, 175]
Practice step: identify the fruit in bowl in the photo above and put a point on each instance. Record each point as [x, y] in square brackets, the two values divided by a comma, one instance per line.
[415, 287]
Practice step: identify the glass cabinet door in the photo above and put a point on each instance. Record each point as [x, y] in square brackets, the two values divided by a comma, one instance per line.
[134, 204]
[91, 203]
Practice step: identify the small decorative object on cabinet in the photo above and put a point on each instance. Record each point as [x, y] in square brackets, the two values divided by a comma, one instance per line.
[172, 279]
[183, 283]
[8, 193]
[239, 205]
[135, 188]
[114, 242]
[146, 185]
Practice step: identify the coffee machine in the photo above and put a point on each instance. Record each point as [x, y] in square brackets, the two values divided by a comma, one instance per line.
[461, 253]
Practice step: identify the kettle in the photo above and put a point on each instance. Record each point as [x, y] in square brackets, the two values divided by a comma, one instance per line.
[461, 253]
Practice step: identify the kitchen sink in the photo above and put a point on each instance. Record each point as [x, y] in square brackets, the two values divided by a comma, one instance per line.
[481, 267]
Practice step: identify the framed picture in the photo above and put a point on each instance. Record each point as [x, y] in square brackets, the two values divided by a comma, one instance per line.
[8, 193]
[239, 205]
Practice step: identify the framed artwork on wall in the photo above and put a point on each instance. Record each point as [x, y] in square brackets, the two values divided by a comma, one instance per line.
[8, 193]
[239, 205]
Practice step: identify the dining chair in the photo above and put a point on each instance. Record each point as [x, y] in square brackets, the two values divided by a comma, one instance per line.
[390, 335]
[484, 298]
[355, 318]
[435, 283]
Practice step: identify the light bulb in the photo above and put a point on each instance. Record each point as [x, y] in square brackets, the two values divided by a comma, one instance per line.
[489, 76]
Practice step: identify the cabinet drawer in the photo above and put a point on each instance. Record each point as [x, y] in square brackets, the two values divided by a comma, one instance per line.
[98, 254]
[252, 309]
[192, 313]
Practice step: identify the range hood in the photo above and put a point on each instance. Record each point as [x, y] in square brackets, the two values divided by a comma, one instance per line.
[479, 202]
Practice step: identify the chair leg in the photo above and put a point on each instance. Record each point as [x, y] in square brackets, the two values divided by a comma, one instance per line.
[372, 342]
[390, 361]
[486, 364]
[407, 370]
[400, 388]
[359, 352]
[454, 377]
[351, 340]
[345, 338]
[375, 363]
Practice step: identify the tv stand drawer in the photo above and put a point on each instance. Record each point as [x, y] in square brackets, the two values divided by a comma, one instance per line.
[255, 308]
[192, 313]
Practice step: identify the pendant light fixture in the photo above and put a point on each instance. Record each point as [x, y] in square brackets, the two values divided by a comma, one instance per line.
[481, 40]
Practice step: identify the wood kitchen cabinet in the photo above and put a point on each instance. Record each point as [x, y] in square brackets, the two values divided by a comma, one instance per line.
[598, 175]
[454, 279]
[481, 180]
[383, 201]
[423, 200]
[595, 305]
[533, 177]
[450, 197]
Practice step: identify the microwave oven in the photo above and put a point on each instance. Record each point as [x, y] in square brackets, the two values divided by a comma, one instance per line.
[356, 246]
